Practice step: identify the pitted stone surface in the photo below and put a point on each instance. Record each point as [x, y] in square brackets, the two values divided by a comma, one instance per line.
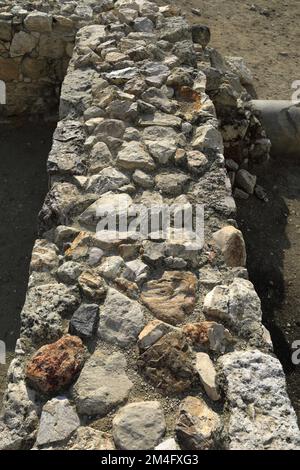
[260, 413]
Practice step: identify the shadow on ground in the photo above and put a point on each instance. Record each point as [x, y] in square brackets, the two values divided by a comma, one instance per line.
[272, 234]
[23, 185]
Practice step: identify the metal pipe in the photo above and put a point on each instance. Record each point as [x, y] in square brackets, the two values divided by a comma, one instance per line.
[281, 121]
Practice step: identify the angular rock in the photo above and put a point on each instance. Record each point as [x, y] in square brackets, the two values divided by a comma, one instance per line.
[171, 297]
[152, 332]
[139, 426]
[84, 321]
[102, 384]
[208, 334]
[196, 162]
[142, 179]
[136, 271]
[107, 203]
[133, 156]
[208, 137]
[175, 29]
[121, 319]
[168, 363]
[44, 256]
[245, 181]
[260, 413]
[160, 119]
[216, 303]
[168, 444]
[231, 243]
[58, 422]
[162, 150]
[111, 267]
[92, 286]
[207, 374]
[197, 427]
[69, 272]
[55, 366]
[109, 179]
[201, 34]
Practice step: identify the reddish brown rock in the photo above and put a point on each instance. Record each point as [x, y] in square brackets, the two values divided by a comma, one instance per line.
[209, 335]
[171, 297]
[55, 366]
[168, 363]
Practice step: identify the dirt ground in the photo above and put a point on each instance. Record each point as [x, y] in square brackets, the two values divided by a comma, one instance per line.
[23, 186]
[266, 33]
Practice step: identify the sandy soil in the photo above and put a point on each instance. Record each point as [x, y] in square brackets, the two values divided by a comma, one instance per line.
[266, 33]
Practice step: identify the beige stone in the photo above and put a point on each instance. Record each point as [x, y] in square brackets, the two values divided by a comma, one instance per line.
[231, 242]
[207, 374]
[22, 44]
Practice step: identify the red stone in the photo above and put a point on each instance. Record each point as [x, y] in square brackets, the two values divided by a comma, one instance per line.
[55, 366]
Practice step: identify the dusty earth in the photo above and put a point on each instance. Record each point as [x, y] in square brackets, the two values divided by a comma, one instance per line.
[265, 32]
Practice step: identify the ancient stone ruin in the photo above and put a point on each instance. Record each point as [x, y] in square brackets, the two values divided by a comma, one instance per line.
[139, 335]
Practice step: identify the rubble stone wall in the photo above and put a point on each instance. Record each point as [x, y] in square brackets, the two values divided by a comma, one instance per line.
[143, 342]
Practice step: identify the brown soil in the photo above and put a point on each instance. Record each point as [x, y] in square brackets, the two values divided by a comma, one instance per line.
[268, 38]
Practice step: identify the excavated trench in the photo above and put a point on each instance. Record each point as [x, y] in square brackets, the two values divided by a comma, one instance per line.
[272, 235]
[24, 147]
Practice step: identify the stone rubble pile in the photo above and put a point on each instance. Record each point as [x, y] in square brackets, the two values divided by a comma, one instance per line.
[138, 342]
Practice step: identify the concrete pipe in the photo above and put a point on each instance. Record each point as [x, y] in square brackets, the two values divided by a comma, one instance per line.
[281, 120]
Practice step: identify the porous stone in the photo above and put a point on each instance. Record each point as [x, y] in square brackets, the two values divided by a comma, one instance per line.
[44, 308]
[84, 321]
[260, 413]
[231, 242]
[69, 272]
[139, 426]
[171, 297]
[102, 384]
[207, 374]
[44, 256]
[58, 422]
[168, 363]
[121, 319]
[197, 427]
[55, 366]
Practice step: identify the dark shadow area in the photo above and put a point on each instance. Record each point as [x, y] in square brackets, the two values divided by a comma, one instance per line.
[272, 235]
[24, 148]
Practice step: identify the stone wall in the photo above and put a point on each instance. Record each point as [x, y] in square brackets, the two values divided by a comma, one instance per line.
[118, 332]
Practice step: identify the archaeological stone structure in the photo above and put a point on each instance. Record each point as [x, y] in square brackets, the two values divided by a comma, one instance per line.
[138, 341]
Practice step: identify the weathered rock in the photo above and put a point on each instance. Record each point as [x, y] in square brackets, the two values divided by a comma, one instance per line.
[51, 46]
[216, 303]
[86, 438]
[168, 363]
[208, 137]
[55, 366]
[9, 69]
[171, 184]
[92, 286]
[143, 179]
[107, 203]
[58, 421]
[38, 21]
[175, 29]
[45, 305]
[197, 427]
[207, 374]
[231, 243]
[109, 179]
[102, 384]
[133, 156]
[22, 44]
[201, 34]
[168, 444]
[171, 297]
[139, 426]
[5, 30]
[160, 119]
[136, 271]
[260, 413]
[111, 267]
[245, 181]
[152, 332]
[208, 334]
[69, 272]
[197, 162]
[121, 319]
[44, 256]
[84, 321]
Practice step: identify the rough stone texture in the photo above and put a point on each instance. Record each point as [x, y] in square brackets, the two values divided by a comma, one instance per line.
[139, 426]
[172, 297]
[55, 366]
[58, 421]
[231, 243]
[168, 363]
[207, 374]
[84, 321]
[86, 438]
[121, 319]
[208, 334]
[102, 384]
[260, 413]
[197, 426]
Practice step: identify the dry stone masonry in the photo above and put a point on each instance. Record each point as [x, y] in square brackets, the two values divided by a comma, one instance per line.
[138, 342]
